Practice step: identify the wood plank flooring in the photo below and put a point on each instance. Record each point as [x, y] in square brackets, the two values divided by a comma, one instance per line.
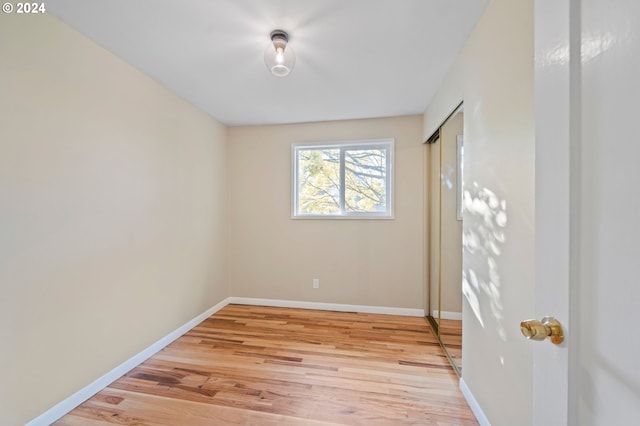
[256, 365]
[451, 336]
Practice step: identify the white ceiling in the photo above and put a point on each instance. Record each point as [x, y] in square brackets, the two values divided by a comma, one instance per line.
[354, 58]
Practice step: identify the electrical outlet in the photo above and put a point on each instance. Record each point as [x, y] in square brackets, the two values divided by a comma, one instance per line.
[316, 283]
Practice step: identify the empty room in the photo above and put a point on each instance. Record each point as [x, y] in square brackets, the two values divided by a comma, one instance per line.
[319, 212]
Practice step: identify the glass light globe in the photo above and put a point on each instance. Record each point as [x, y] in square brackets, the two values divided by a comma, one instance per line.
[279, 56]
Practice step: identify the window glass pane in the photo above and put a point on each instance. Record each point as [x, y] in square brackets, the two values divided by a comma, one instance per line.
[365, 180]
[319, 181]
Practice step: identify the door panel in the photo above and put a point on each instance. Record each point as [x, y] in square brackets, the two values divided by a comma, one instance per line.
[553, 206]
[608, 383]
[587, 203]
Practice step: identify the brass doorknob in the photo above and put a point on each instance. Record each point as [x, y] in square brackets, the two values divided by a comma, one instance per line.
[540, 330]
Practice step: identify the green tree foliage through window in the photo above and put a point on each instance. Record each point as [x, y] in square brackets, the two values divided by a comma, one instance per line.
[350, 179]
[319, 181]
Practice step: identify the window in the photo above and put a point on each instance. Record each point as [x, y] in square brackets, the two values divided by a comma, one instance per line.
[343, 180]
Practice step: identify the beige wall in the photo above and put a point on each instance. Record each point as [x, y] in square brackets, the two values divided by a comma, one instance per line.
[494, 76]
[363, 262]
[112, 213]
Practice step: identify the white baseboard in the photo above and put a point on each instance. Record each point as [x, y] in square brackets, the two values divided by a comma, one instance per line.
[473, 404]
[65, 406]
[328, 306]
[448, 315]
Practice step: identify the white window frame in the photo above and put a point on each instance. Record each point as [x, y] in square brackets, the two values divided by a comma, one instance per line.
[387, 143]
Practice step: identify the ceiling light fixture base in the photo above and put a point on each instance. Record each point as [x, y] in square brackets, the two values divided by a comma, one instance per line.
[279, 34]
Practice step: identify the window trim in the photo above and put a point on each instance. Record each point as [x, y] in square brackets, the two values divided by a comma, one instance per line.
[388, 143]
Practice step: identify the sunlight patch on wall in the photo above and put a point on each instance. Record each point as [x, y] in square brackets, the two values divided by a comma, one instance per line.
[485, 217]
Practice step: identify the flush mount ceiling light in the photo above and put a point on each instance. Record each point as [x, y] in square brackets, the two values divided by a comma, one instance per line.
[279, 56]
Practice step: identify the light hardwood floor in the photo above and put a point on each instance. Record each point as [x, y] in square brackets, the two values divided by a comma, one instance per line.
[277, 366]
[451, 336]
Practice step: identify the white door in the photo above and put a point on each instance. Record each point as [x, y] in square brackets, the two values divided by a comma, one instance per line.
[588, 210]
